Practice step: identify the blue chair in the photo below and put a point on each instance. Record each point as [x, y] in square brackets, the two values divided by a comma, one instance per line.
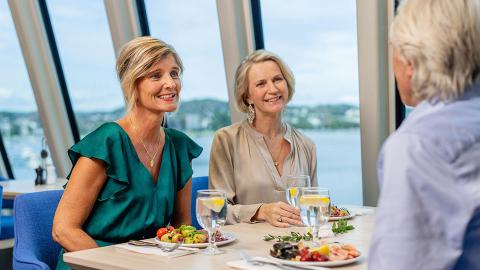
[6, 222]
[198, 183]
[34, 247]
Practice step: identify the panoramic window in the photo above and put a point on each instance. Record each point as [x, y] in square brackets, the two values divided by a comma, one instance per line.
[318, 40]
[20, 126]
[192, 28]
[88, 59]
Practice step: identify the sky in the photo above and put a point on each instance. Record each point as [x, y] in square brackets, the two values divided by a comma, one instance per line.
[317, 39]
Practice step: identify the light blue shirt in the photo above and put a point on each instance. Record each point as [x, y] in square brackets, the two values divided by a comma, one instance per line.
[428, 215]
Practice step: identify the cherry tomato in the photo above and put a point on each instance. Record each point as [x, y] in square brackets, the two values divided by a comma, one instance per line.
[161, 232]
[170, 229]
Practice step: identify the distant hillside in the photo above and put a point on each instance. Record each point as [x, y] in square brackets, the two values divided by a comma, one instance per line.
[201, 114]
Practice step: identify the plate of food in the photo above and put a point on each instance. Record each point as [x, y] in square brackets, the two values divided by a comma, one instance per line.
[326, 254]
[190, 236]
[337, 213]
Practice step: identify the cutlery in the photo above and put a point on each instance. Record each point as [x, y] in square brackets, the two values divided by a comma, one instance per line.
[250, 260]
[150, 244]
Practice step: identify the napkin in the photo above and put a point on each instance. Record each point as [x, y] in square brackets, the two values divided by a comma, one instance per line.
[242, 264]
[156, 251]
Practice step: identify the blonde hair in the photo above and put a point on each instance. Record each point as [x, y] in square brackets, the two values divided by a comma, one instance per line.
[441, 39]
[241, 76]
[136, 58]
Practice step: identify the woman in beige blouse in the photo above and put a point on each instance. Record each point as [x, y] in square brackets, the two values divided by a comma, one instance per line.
[251, 159]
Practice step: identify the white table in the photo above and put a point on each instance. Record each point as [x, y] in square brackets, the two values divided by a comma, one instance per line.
[249, 237]
[12, 188]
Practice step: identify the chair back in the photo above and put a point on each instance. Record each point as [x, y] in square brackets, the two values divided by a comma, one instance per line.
[34, 247]
[198, 183]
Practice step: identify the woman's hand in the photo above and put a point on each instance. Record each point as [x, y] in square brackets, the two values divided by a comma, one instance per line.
[279, 214]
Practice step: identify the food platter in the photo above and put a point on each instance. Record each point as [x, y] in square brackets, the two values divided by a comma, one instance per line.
[327, 263]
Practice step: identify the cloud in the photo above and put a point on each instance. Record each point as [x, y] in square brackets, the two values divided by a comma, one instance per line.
[316, 38]
[5, 93]
[321, 49]
[349, 99]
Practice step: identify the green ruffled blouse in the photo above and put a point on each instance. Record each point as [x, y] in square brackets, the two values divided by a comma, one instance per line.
[130, 205]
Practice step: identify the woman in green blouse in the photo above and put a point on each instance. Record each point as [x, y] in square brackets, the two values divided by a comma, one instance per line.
[130, 177]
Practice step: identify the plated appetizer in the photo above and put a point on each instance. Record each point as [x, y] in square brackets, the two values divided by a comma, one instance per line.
[324, 253]
[186, 234]
[335, 211]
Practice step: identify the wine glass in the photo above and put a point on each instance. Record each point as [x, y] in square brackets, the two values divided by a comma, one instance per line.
[314, 208]
[211, 214]
[294, 184]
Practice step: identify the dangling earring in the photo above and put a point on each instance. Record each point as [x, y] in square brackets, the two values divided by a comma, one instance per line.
[250, 114]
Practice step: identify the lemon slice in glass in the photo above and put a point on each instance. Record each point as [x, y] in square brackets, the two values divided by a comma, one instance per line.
[293, 192]
[214, 203]
[314, 200]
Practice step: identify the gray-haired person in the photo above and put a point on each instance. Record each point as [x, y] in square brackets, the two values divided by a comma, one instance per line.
[429, 169]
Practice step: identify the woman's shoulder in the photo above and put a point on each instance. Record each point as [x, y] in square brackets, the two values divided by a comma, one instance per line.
[179, 138]
[230, 131]
[300, 137]
[183, 144]
[176, 135]
[109, 130]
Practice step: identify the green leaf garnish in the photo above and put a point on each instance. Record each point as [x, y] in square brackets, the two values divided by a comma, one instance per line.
[341, 226]
[293, 237]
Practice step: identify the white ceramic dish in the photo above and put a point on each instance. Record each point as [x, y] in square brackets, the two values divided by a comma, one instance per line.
[327, 264]
[344, 217]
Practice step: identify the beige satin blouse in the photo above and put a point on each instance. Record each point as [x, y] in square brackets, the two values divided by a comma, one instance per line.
[241, 164]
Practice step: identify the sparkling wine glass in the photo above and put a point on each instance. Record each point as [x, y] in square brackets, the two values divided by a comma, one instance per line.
[294, 184]
[314, 209]
[211, 214]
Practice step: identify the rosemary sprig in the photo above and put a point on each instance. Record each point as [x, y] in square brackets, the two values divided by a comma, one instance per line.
[293, 237]
[341, 226]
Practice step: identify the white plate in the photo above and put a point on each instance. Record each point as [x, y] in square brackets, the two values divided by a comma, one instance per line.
[328, 263]
[230, 238]
[338, 218]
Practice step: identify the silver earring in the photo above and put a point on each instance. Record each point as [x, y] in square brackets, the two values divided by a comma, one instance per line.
[250, 114]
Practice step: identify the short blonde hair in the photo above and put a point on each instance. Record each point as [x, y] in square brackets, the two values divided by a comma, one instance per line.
[441, 39]
[241, 76]
[136, 58]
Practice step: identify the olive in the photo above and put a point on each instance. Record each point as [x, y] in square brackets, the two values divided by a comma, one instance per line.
[289, 254]
[276, 253]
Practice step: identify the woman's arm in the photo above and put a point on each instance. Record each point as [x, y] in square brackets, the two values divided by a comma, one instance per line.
[221, 176]
[86, 181]
[182, 213]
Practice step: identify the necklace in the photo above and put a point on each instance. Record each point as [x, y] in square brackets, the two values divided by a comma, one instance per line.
[150, 157]
[276, 160]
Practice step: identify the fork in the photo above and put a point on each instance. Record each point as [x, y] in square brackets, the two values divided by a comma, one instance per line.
[150, 244]
[250, 260]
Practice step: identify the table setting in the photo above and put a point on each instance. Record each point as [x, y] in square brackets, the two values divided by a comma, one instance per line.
[248, 246]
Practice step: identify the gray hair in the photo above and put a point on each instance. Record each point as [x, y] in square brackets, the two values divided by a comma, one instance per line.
[441, 40]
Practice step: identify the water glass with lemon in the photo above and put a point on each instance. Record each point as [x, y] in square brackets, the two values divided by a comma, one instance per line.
[211, 214]
[294, 184]
[314, 208]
